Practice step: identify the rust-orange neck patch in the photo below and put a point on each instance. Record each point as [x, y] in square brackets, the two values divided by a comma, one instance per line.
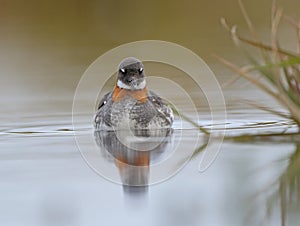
[139, 95]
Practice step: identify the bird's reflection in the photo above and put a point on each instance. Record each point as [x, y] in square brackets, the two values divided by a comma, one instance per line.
[133, 152]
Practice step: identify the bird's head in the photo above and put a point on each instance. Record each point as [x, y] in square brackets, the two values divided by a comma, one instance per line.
[131, 74]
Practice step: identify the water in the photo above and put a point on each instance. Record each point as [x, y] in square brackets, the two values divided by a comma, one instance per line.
[45, 181]
[46, 47]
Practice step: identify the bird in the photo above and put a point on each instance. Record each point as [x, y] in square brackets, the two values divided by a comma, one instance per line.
[130, 105]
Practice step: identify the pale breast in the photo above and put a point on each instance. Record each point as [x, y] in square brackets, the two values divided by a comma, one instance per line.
[132, 114]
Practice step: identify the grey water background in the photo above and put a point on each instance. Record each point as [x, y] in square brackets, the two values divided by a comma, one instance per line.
[45, 48]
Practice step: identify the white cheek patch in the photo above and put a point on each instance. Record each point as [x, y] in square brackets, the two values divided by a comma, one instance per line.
[142, 85]
[122, 85]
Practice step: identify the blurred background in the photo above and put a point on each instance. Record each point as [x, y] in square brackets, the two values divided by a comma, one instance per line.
[45, 47]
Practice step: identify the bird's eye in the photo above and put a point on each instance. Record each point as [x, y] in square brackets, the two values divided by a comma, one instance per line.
[141, 70]
[123, 71]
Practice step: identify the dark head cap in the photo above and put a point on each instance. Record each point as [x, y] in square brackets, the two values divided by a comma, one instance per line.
[131, 74]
